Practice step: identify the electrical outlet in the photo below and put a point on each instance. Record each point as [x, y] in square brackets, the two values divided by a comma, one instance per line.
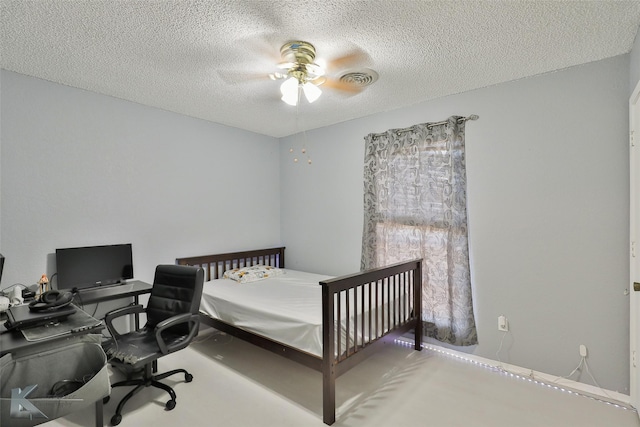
[583, 350]
[503, 324]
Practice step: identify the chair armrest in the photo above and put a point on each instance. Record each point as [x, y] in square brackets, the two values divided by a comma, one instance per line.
[194, 323]
[119, 312]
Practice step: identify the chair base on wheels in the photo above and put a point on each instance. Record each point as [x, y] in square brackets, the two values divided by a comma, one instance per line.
[147, 380]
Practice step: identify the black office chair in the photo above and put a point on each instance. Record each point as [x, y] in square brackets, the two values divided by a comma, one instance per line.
[172, 322]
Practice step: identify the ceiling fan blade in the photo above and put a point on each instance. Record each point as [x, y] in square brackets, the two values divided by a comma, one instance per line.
[352, 59]
[262, 45]
[341, 86]
[237, 77]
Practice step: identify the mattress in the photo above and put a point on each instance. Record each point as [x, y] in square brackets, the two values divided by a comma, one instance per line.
[287, 309]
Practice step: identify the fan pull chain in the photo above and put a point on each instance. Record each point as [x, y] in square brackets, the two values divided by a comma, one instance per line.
[303, 150]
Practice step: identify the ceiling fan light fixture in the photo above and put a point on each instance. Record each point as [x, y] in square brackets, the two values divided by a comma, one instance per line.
[303, 75]
[311, 92]
[289, 89]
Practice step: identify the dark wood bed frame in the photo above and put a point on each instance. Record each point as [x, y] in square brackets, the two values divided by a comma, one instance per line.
[367, 292]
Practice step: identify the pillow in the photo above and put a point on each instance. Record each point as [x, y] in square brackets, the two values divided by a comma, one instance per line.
[253, 273]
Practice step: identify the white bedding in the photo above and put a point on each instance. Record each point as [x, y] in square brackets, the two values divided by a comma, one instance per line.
[286, 308]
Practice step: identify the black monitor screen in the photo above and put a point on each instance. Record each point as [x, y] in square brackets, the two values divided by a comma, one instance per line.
[93, 266]
[1, 265]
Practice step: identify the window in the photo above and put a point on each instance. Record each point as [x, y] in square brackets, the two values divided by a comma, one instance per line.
[415, 207]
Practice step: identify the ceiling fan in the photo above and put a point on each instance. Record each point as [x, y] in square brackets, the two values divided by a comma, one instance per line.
[302, 75]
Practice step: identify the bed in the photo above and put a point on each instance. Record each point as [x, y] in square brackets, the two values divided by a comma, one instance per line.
[328, 324]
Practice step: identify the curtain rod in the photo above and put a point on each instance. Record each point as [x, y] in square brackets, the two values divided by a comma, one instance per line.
[461, 119]
[430, 125]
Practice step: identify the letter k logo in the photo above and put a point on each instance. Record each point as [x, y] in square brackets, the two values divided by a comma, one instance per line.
[21, 407]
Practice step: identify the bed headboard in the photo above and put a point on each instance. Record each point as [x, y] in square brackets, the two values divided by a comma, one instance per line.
[215, 265]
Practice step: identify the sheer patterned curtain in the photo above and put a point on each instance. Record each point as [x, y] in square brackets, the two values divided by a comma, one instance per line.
[415, 206]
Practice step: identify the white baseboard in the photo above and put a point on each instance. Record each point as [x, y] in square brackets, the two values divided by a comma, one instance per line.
[607, 396]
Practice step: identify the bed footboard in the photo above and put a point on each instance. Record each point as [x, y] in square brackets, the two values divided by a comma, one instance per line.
[362, 311]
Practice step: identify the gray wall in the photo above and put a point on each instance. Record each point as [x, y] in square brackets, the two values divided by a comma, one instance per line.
[548, 198]
[79, 168]
[548, 173]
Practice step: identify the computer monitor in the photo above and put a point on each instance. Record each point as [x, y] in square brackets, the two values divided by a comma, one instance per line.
[94, 266]
[1, 266]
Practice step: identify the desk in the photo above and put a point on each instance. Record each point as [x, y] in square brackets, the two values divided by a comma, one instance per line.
[11, 341]
[133, 288]
[14, 342]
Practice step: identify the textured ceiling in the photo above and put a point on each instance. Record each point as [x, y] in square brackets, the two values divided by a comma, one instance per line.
[199, 58]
